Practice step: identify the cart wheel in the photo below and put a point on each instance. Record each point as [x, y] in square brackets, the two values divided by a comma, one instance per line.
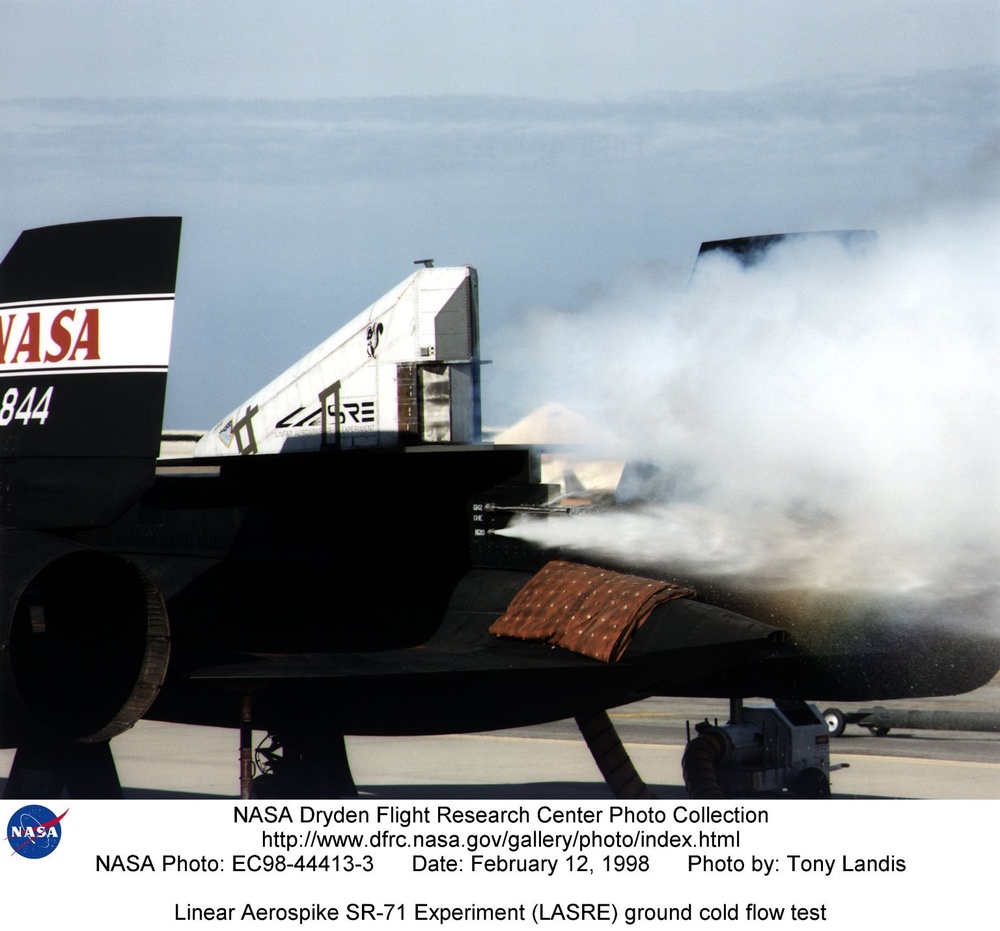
[835, 721]
[878, 731]
[811, 783]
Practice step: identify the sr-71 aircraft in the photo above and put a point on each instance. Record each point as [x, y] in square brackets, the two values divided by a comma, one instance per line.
[326, 562]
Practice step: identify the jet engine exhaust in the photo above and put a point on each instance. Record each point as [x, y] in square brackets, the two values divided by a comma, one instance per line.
[86, 648]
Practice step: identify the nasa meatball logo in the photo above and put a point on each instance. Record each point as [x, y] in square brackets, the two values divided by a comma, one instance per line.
[34, 831]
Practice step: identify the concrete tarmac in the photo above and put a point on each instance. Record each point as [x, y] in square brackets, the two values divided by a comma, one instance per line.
[157, 760]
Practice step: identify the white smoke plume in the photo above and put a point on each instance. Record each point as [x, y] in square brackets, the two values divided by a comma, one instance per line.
[822, 419]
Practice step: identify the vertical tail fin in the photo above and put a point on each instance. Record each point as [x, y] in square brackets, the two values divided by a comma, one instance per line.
[404, 371]
[749, 250]
[85, 320]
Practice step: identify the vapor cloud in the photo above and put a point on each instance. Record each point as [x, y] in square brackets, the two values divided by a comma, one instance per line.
[822, 420]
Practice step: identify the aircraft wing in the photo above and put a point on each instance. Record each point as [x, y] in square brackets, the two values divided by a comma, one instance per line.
[466, 677]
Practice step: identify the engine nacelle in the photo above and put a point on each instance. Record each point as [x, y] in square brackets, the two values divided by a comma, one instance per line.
[85, 641]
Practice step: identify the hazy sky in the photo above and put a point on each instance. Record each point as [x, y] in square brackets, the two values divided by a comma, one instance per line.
[567, 150]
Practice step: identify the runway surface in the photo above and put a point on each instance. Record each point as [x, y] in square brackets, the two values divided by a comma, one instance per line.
[157, 760]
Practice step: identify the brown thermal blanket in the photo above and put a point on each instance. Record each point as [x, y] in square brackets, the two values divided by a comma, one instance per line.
[584, 609]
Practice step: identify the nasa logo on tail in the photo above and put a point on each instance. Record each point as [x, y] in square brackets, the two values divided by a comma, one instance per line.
[34, 831]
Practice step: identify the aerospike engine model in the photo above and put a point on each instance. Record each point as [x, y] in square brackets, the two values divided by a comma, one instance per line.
[406, 370]
[323, 564]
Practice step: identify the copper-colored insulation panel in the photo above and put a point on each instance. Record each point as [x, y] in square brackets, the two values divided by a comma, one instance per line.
[584, 609]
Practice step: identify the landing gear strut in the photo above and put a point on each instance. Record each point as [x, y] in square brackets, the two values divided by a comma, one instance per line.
[298, 761]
